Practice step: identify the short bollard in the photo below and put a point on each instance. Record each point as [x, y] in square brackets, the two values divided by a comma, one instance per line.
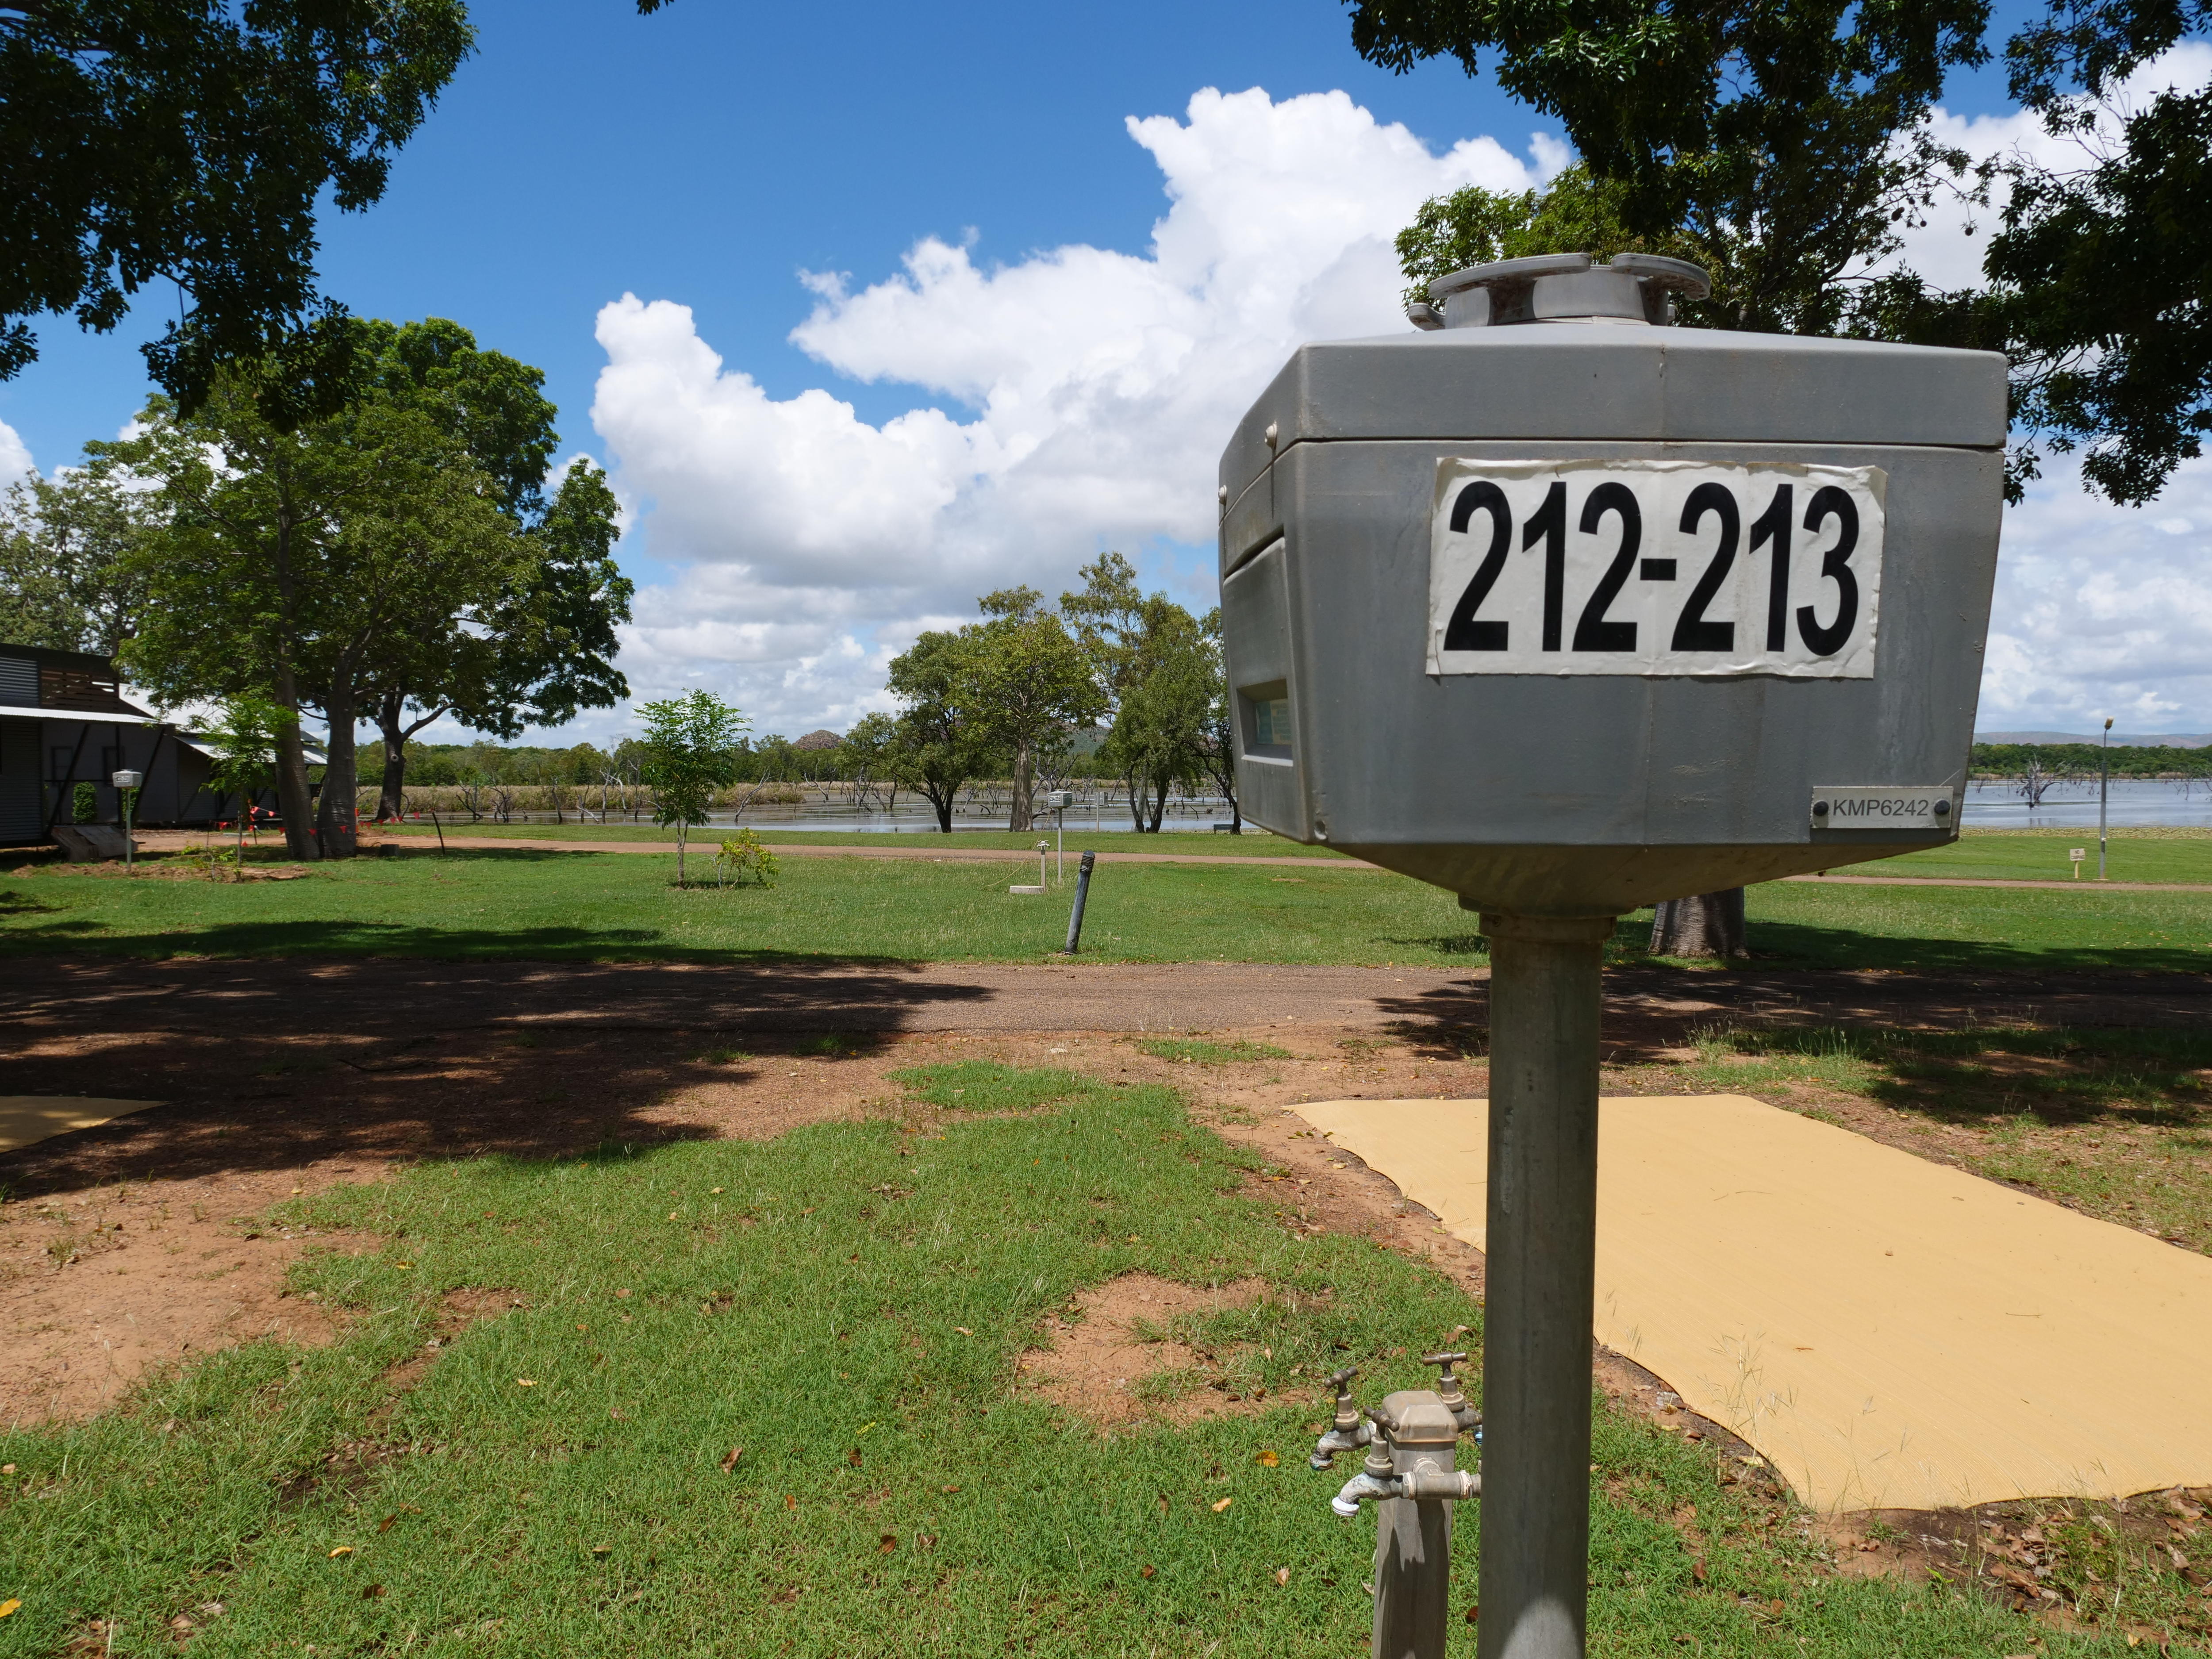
[1082, 894]
[1410, 1438]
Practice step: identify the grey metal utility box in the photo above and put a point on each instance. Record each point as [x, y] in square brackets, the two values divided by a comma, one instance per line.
[1504, 609]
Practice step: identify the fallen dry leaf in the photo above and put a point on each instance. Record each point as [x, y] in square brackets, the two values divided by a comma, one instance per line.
[853, 1458]
[525, 1382]
[1474, 1614]
[385, 1525]
[730, 1461]
[1223, 1504]
[602, 1549]
[1146, 1571]
[342, 1549]
[963, 1330]
[1282, 1575]
[622, 1296]
[890, 1543]
[372, 1593]
[789, 1502]
[1267, 1459]
[9, 1605]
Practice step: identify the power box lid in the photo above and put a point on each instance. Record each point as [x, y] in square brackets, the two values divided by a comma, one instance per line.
[1629, 383]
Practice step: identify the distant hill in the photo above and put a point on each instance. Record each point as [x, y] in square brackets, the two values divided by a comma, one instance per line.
[814, 740]
[2139, 740]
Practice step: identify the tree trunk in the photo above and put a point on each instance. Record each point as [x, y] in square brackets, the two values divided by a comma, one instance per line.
[391, 716]
[1018, 820]
[293, 799]
[1160, 803]
[1704, 925]
[679, 852]
[336, 814]
[1136, 800]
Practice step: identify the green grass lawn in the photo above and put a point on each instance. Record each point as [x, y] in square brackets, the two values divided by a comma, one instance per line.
[2136, 855]
[1253, 843]
[2155, 853]
[842, 1309]
[541, 905]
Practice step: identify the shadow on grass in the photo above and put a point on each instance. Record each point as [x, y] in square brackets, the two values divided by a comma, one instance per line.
[2061, 1078]
[345, 936]
[264, 1064]
[1803, 944]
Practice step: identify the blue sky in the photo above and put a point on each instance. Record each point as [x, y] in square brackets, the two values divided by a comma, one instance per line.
[1006, 244]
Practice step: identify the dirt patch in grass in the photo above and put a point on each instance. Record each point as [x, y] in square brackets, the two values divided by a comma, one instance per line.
[101, 1286]
[1109, 1357]
[458, 1311]
[2142, 1567]
[145, 1241]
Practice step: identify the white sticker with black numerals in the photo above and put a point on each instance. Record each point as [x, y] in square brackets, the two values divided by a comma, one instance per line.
[1655, 567]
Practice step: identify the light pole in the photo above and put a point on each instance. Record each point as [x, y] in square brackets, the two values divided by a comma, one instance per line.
[2104, 780]
[126, 786]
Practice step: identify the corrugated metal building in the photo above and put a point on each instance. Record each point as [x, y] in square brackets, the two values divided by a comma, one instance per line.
[62, 721]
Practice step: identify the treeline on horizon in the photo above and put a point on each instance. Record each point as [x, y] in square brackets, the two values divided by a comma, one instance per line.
[770, 759]
[2011, 760]
[775, 759]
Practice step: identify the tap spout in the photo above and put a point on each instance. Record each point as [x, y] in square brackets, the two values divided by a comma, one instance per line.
[1338, 1440]
[1363, 1487]
[1425, 1480]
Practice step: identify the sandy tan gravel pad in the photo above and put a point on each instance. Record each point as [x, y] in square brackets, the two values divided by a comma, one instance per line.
[1891, 1332]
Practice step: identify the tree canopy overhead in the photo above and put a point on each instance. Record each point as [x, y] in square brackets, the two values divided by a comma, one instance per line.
[1785, 148]
[191, 139]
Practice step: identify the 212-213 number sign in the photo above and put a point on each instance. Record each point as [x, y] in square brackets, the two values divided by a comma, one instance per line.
[1655, 567]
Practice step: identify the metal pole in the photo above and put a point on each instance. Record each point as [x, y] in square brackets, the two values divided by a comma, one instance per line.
[2104, 779]
[129, 848]
[1082, 896]
[1542, 1239]
[1059, 848]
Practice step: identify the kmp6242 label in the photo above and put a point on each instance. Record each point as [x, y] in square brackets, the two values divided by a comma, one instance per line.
[1655, 567]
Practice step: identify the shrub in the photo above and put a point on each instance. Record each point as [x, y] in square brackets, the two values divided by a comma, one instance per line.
[84, 804]
[743, 858]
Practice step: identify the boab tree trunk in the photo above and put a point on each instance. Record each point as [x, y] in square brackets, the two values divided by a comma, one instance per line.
[1703, 925]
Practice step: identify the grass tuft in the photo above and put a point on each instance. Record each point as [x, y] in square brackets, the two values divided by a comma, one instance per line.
[1197, 1052]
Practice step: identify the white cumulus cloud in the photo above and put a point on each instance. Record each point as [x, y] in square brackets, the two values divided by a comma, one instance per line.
[2103, 610]
[1947, 249]
[15, 455]
[1075, 400]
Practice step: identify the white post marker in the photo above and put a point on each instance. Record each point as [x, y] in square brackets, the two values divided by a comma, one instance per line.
[1023, 888]
[2077, 853]
[126, 784]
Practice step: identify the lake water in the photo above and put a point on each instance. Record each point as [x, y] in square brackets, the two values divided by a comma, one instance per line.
[1998, 805]
[1994, 806]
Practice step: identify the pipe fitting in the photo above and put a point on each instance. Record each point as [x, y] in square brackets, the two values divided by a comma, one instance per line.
[1362, 1488]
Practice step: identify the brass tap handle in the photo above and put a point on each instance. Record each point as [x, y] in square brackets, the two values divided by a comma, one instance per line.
[1347, 1414]
[1448, 1383]
[1448, 1390]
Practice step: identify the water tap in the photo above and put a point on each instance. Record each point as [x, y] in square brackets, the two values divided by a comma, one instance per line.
[1454, 1398]
[1410, 1439]
[1347, 1432]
